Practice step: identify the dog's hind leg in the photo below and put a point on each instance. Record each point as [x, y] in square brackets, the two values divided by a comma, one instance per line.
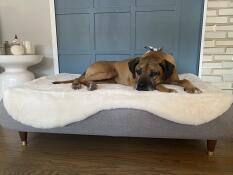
[91, 85]
[77, 83]
[100, 71]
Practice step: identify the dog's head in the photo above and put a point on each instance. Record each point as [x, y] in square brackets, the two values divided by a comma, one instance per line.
[150, 70]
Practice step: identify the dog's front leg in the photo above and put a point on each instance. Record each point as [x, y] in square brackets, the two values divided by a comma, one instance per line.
[162, 88]
[188, 86]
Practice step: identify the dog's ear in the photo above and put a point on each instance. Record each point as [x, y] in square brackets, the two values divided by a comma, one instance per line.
[132, 64]
[168, 69]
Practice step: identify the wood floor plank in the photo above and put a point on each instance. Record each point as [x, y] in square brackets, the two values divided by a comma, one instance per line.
[56, 154]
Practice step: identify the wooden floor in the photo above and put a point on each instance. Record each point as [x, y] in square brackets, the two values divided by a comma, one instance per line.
[88, 155]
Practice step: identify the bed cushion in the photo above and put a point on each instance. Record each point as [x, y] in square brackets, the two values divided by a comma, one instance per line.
[133, 123]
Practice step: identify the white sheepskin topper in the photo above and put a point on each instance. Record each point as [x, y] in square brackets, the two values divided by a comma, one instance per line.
[41, 104]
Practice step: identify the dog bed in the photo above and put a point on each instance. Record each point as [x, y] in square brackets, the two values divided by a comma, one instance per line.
[41, 104]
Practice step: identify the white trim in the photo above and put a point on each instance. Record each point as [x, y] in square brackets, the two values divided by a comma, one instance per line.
[202, 38]
[54, 37]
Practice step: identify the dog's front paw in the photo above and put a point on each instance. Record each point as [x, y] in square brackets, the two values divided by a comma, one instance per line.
[192, 90]
[172, 91]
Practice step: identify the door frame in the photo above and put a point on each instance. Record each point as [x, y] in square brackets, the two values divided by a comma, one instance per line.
[55, 48]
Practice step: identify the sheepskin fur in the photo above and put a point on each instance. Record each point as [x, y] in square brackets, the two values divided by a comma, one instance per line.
[41, 104]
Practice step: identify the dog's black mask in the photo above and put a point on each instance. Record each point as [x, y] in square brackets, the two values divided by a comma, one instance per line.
[149, 72]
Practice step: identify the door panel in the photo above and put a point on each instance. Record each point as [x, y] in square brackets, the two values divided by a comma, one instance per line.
[111, 3]
[111, 57]
[156, 29]
[73, 4]
[155, 2]
[92, 30]
[74, 32]
[74, 63]
[112, 31]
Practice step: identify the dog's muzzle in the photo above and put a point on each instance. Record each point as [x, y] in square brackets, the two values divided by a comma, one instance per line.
[144, 84]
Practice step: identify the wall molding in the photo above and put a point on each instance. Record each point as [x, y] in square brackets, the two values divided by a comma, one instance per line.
[54, 36]
[202, 38]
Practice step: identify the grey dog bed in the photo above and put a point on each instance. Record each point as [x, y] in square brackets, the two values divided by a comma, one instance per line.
[133, 123]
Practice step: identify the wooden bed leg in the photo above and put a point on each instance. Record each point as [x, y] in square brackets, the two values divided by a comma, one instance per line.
[23, 137]
[211, 146]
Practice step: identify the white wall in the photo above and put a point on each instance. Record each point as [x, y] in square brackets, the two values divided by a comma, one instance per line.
[30, 19]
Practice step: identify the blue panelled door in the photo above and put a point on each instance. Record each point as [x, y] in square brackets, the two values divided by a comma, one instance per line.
[92, 30]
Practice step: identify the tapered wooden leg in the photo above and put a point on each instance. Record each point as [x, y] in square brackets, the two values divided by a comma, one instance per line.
[23, 137]
[211, 146]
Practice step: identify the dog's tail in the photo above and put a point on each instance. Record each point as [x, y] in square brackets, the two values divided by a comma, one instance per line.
[63, 82]
[69, 81]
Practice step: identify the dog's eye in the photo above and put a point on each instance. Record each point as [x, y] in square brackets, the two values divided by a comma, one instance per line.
[139, 71]
[152, 74]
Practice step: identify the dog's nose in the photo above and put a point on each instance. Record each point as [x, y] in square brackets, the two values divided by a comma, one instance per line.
[142, 86]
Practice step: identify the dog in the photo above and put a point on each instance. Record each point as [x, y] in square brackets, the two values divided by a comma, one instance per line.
[146, 73]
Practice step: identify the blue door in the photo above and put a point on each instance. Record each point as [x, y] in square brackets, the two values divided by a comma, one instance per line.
[92, 30]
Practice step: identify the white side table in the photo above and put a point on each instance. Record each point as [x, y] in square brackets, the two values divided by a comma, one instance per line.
[16, 72]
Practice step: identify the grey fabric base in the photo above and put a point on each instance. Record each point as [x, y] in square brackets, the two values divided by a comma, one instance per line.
[133, 123]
